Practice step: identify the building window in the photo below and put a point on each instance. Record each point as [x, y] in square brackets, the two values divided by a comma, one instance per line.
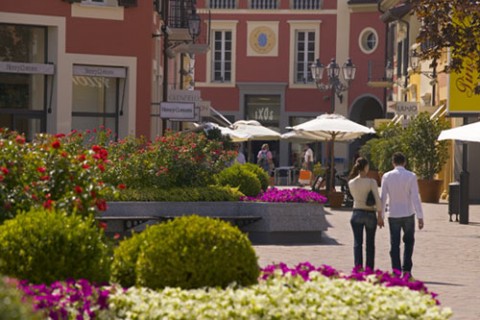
[263, 4]
[304, 55]
[222, 4]
[222, 56]
[97, 99]
[306, 4]
[24, 81]
[95, 2]
[368, 40]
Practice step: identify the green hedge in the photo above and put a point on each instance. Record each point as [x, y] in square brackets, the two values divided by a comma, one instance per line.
[207, 193]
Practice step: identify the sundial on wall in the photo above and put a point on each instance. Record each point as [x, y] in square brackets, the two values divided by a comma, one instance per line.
[262, 40]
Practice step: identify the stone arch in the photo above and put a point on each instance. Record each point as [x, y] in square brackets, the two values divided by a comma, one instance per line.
[364, 110]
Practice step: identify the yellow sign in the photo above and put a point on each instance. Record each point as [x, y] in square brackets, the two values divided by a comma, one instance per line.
[462, 97]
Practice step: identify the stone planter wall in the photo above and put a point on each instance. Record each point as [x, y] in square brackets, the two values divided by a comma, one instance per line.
[280, 223]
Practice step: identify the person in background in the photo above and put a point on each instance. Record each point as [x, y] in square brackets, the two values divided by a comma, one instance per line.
[400, 192]
[240, 156]
[308, 158]
[265, 161]
[364, 217]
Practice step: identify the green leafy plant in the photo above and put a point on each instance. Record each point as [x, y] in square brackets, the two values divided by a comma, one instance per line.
[425, 153]
[260, 173]
[43, 246]
[188, 252]
[12, 304]
[239, 177]
[207, 193]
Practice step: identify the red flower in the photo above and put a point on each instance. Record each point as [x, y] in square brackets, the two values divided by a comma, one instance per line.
[121, 186]
[60, 135]
[56, 144]
[82, 157]
[85, 166]
[96, 148]
[116, 236]
[78, 189]
[4, 170]
[102, 225]
[20, 139]
[44, 178]
[101, 167]
[34, 197]
[64, 154]
[101, 204]
[48, 204]
[41, 169]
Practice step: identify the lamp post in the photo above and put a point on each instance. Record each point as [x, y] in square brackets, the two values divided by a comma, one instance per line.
[337, 87]
[333, 82]
[415, 64]
[194, 31]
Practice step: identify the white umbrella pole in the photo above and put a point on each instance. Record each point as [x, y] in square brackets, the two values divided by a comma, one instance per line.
[332, 166]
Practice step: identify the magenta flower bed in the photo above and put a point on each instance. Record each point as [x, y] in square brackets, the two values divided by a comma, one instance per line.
[388, 279]
[297, 195]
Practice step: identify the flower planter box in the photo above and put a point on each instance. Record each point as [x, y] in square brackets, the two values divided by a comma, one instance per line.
[280, 223]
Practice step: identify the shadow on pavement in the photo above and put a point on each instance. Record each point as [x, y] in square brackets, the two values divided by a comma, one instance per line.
[443, 283]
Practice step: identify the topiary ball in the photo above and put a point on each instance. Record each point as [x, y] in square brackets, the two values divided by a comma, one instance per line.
[44, 246]
[192, 252]
[125, 256]
[261, 174]
[239, 177]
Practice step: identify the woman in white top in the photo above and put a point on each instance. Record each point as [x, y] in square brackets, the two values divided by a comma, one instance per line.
[363, 216]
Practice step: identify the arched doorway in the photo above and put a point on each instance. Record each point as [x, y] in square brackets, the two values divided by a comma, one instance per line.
[364, 110]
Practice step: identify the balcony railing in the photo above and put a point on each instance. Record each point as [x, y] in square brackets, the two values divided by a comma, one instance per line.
[223, 4]
[264, 4]
[306, 4]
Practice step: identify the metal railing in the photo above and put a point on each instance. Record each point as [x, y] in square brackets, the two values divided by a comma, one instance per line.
[222, 4]
[264, 4]
[306, 4]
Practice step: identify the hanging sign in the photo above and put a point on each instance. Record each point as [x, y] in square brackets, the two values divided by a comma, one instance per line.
[177, 110]
[406, 108]
[95, 71]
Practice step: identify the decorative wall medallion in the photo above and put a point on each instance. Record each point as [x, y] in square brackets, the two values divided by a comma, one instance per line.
[262, 40]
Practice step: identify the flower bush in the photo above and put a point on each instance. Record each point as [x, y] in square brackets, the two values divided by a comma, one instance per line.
[71, 299]
[174, 160]
[301, 292]
[298, 195]
[52, 171]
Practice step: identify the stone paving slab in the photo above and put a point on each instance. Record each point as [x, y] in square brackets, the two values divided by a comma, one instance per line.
[446, 257]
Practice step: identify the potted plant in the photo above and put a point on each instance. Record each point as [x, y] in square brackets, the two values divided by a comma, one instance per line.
[426, 154]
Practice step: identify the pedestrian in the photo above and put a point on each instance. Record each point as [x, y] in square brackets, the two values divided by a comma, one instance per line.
[308, 158]
[366, 216]
[240, 156]
[400, 192]
[265, 161]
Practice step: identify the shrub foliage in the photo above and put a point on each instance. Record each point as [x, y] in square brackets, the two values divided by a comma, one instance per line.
[237, 176]
[188, 252]
[43, 246]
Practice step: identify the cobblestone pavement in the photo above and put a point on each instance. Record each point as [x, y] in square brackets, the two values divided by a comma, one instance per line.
[446, 256]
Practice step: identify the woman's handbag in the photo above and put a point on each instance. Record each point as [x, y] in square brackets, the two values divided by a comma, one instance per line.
[370, 199]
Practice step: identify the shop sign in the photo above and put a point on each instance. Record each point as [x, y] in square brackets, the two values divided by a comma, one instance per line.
[461, 90]
[26, 68]
[264, 114]
[177, 111]
[183, 95]
[406, 108]
[203, 108]
[94, 71]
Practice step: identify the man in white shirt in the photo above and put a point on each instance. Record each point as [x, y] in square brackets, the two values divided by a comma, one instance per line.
[308, 158]
[400, 191]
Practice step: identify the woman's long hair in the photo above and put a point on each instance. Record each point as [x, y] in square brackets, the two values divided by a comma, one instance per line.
[359, 165]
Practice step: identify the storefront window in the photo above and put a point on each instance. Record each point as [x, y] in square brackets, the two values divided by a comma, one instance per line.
[97, 100]
[24, 78]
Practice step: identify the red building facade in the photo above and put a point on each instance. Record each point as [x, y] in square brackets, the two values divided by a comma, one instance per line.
[258, 66]
[77, 64]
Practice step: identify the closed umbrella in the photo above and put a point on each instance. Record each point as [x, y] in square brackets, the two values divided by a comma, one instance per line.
[329, 127]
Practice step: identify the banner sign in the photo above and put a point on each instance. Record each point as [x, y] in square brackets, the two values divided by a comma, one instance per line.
[26, 68]
[406, 108]
[461, 90]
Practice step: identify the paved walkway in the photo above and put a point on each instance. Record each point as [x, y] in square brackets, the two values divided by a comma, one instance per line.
[446, 257]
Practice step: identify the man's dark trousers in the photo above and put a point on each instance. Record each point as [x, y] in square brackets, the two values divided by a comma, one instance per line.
[407, 224]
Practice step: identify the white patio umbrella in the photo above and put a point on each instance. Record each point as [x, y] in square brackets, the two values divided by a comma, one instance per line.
[468, 132]
[235, 136]
[328, 127]
[255, 130]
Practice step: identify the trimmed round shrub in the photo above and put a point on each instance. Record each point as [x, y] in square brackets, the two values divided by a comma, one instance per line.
[239, 177]
[44, 246]
[260, 173]
[12, 304]
[188, 252]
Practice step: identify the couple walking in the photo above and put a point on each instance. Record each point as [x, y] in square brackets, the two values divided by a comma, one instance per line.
[399, 194]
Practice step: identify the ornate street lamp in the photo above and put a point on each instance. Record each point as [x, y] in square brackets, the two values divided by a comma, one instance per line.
[333, 73]
[194, 24]
[389, 71]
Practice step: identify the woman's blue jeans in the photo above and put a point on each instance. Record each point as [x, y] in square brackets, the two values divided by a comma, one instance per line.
[396, 225]
[361, 220]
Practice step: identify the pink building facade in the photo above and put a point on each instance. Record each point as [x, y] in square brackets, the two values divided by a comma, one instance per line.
[258, 65]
